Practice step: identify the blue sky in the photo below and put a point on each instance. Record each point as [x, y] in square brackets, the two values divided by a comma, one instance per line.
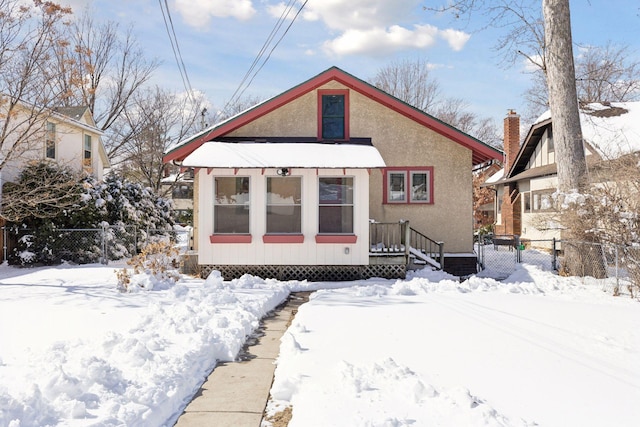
[219, 40]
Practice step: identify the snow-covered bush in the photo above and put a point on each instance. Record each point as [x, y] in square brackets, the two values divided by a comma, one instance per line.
[156, 267]
[112, 209]
[608, 212]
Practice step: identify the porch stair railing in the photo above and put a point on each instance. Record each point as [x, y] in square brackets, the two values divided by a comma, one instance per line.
[389, 239]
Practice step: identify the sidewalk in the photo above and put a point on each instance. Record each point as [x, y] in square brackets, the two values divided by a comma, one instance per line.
[236, 393]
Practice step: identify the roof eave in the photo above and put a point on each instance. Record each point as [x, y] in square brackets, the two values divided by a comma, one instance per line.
[481, 152]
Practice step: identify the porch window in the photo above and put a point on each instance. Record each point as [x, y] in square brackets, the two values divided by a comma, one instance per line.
[50, 141]
[408, 185]
[284, 205]
[335, 211]
[87, 151]
[231, 207]
[333, 114]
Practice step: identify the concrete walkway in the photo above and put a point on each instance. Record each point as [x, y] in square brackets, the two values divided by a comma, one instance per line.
[236, 393]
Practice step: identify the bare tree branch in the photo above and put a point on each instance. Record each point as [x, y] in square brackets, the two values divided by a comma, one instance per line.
[411, 82]
[29, 36]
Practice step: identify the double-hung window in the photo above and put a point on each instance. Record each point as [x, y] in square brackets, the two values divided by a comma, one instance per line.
[284, 205]
[335, 211]
[542, 200]
[50, 141]
[408, 185]
[333, 114]
[87, 151]
[231, 207]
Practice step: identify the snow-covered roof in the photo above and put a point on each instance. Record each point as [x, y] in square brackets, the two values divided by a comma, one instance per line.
[495, 177]
[612, 129]
[280, 155]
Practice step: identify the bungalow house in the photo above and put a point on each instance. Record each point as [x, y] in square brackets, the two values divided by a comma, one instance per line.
[526, 184]
[332, 180]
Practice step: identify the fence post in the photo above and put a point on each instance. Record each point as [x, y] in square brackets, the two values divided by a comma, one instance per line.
[441, 250]
[617, 272]
[105, 257]
[518, 252]
[554, 255]
[4, 243]
[407, 240]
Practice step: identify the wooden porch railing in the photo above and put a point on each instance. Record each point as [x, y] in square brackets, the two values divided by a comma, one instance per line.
[426, 249]
[389, 239]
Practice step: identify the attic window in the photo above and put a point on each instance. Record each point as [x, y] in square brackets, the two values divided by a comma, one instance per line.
[87, 151]
[50, 141]
[333, 114]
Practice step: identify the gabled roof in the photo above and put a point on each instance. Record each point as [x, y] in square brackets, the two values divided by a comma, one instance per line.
[481, 152]
[529, 146]
[609, 131]
[75, 113]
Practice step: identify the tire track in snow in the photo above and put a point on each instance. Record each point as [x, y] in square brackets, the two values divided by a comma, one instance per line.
[532, 336]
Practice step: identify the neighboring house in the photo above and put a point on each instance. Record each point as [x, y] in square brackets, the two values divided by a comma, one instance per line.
[68, 136]
[526, 184]
[318, 182]
[484, 198]
[178, 186]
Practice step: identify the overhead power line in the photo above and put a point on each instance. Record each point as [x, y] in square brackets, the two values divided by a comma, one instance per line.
[249, 77]
[173, 39]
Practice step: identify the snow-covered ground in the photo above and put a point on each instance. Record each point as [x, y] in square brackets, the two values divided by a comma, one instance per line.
[536, 349]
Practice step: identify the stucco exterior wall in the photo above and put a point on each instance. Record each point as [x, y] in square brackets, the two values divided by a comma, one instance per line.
[401, 142]
[297, 118]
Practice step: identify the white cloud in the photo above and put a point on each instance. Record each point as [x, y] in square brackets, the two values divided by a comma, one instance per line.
[456, 39]
[381, 41]
[198, 13]
[278, 10]
[378, 27]
[360, 14]
[536, 65]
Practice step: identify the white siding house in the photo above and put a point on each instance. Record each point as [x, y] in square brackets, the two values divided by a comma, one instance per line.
[67, 136]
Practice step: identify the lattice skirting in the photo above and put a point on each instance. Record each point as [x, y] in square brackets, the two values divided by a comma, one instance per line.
[313, 273]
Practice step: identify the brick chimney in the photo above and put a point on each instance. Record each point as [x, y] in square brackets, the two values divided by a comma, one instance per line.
[511, 138]
[511, 205]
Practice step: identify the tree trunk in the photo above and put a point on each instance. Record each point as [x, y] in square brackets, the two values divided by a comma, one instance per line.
[567, 133]
[563, 98]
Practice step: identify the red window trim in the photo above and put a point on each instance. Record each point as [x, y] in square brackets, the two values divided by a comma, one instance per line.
[344, 92]
[230, 238]
[283, 238]
[336, 238]
[407, 170]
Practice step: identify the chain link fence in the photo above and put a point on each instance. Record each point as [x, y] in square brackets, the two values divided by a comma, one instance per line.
[84, 246]
[616, 267]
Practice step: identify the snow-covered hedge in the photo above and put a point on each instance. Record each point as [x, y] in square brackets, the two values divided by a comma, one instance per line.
[114, 214]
